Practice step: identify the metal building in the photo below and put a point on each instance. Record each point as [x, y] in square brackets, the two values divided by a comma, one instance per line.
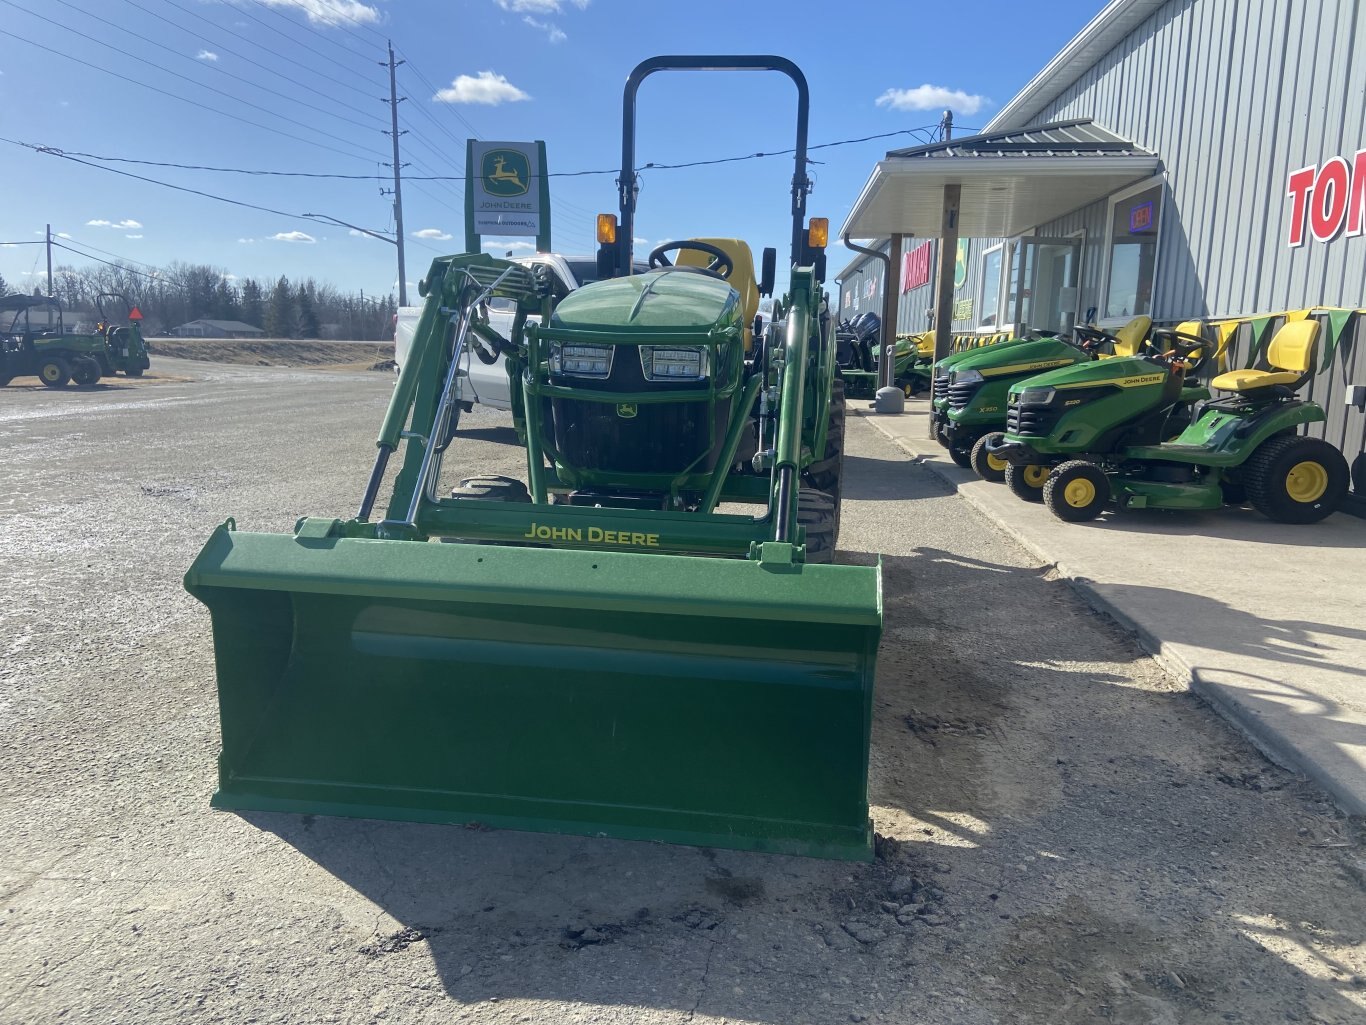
[1179, 158]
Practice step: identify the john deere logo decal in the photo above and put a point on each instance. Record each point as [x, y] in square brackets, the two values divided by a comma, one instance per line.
[506, 173]
[626, 410]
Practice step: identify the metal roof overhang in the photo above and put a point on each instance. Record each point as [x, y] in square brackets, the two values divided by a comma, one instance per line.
[1001, 196]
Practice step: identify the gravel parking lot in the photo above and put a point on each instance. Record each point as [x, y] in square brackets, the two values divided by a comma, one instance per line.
[1064, 836]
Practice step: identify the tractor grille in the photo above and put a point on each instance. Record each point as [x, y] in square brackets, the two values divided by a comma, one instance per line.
[941, 386]
[961, 394]
[1032, 420]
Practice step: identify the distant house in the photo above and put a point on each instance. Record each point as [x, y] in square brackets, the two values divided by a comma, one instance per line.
[217, 329]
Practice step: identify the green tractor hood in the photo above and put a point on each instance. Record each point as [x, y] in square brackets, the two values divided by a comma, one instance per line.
[681, 300]
[1027, 356]
[1119, 372]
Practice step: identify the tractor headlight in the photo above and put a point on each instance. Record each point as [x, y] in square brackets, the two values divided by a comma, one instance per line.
[662, 363]
[581, 360]
[1035, 396]
[965, 377]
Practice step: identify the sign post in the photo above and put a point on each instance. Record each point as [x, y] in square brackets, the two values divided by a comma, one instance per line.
[506, 192]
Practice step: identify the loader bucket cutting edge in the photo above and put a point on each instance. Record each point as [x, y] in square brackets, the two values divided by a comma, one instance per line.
[695, 700]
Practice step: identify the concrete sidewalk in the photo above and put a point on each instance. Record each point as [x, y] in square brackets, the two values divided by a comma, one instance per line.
[1266, 621]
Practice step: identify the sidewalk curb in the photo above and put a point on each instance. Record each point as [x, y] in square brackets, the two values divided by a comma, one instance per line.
[1268, 741]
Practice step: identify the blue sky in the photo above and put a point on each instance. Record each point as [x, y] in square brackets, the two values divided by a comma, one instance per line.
[295, 85]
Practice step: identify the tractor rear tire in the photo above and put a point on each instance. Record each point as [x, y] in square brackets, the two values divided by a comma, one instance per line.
[85, 371]
[819, 514]
[988, 466]
[492, 488]
[1294, 479]
[1077, 491]
[54, 372]
[133, 372]
[1027, 482]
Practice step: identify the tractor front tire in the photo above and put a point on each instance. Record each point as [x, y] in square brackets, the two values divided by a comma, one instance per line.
[819, 514]
[825, 473]
[1294, 479]
[1027, 482]
[1077, 491]
[988, 466]
[85, 371]
[961, 454]
[492, 488]
[54, 372]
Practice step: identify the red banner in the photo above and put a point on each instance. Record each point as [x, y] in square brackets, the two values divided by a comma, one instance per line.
[915, 266]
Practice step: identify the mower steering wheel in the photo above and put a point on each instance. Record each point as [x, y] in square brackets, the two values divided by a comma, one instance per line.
[720, 267]
[1092, 338]
[1173, 346]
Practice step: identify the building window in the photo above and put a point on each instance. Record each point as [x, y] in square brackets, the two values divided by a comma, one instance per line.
[989, 307]
[1132, 252]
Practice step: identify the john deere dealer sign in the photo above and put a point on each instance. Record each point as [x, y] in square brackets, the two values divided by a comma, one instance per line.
[506, 192]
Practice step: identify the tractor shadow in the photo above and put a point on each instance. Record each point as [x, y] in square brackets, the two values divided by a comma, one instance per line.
[501, 435]
[1058, 812]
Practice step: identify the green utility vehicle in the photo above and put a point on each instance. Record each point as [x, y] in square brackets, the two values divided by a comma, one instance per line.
[121, 327]
[638, 640]
[1101, 430]
[34, 342]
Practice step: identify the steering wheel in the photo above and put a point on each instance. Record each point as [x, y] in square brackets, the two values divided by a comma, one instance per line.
[720, 266]
[1092, 338]
[1174, 346]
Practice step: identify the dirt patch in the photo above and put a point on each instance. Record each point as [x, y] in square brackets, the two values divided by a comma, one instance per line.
[275, 352]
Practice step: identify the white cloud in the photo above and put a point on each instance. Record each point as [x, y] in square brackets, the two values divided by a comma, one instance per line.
[331, 12]
[553, 32]
[488, 87]
[539, 6]
[293, 236]
[206, 55]
[434, 233]
[62, 234]
[132, 236]
[127, 224]
[499, 245]
[932, 97]
[246, 241]
[357, 234]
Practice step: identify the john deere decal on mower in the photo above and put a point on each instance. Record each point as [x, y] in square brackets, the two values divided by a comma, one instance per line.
[598, 650]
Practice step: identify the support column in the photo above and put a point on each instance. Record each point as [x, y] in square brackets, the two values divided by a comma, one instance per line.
[948, 257]
[891, 297]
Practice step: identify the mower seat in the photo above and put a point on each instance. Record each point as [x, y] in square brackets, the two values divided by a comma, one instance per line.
[1290, 354]
[741, 276]
[1129, 338]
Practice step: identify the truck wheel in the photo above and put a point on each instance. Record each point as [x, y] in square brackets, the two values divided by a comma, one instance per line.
[1027, 481]
[1076, 491]
[819, 514]
[988, 466]
[1295, 479]
[85, 371]
[492, 488]
[54, 372]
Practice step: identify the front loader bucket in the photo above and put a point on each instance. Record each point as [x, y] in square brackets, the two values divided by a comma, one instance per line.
[694, 700]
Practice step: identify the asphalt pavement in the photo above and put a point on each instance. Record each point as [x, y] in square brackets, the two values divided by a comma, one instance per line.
[1065, 833]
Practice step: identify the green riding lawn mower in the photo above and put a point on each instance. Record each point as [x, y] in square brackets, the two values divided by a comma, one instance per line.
[598, 648]
[1101, 432]
[34, 342]
[969, 401]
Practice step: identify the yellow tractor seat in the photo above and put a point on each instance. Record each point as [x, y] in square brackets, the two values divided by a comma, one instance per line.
[1130, 336]
[1290, 354]
[741, 276]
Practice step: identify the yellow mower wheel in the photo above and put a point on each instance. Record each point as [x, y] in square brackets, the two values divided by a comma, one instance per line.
[1027, 481]
[1294, 479]
[1306, 481]
[1077, 490]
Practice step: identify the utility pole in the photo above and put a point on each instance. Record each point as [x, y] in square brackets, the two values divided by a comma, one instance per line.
[394, 100]
[946, 126]
[49, 259]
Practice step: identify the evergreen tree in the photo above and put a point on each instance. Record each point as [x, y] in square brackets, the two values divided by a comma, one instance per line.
[253, 303]
[4, 285]
[282, 316]
[308, 312]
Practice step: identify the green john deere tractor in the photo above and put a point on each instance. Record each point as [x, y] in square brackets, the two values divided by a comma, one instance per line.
[121, 326]
[1101, 432]
[598, 648]
[34, 342]
[939, 385]
[979, 383]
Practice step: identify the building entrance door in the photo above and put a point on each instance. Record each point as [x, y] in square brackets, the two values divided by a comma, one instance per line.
[1043, 292]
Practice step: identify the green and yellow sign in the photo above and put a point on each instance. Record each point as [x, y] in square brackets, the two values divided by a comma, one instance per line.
[506, 172]
[960, 264]
[506, 193]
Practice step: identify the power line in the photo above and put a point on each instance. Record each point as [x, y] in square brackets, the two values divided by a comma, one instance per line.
[304, 25]
[314, 218]
[175, 74]
[273, 52]
[434, 90]
[183, 99]
[26, 242]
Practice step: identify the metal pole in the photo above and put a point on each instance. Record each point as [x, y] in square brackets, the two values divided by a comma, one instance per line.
[891, 296]
[49, 259]
[394, 101]
[948, 257]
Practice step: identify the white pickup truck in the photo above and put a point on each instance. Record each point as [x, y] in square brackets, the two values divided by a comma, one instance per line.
[489, 382]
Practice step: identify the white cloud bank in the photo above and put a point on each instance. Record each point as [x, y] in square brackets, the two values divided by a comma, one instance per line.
[292, 236]
[932, 97]
[332, 13]
[206, 55]
[432, 233]
[127, 224]
[488, 88]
